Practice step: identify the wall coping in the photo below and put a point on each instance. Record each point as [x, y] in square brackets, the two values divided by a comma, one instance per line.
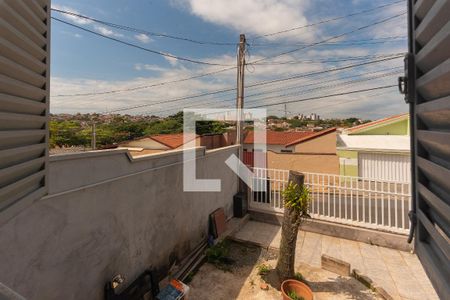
[201, 151]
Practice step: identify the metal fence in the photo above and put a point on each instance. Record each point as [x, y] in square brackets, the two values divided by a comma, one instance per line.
[365, 202]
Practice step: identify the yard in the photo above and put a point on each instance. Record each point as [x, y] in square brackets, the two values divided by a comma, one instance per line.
[245, 274]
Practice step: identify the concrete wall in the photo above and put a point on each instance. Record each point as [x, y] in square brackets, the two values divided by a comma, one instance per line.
[322, 144]
[108, 213]
[316, 163]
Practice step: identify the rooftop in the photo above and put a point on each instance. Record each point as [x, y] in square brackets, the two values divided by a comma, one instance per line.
[376, 123]
[173, 140]
[287, 138]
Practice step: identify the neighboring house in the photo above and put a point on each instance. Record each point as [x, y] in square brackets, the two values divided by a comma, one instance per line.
[378, 149]
[305, 151]
[158, 142]
[164, 142]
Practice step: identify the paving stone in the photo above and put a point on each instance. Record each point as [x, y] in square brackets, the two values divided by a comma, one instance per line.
[399, 273]
[311, 249]
[370, 251]
[331, 246]
[350, 253]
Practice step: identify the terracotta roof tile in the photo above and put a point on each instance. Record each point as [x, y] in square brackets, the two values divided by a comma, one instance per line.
[173, 141]
[312, 136]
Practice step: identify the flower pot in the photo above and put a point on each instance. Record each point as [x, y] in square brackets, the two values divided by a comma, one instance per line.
[300, 289]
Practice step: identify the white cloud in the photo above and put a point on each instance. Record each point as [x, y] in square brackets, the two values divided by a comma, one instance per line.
[252, 16]
[82, 21]
[147, 67]
[74, 19]
[395, 27]
[172, 60]
[354, 104]
[108, 32]
[143, 38]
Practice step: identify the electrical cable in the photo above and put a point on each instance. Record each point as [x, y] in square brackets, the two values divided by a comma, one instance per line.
[142, 31]
[139, 47]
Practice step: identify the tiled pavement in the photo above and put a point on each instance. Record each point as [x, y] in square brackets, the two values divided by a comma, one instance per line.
[399, 273]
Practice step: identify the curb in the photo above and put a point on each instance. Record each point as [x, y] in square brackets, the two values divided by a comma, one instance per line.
[364, 279]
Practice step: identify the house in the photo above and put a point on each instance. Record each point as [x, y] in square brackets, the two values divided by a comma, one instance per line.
[305, 151]
[164, 142]
[378, 149]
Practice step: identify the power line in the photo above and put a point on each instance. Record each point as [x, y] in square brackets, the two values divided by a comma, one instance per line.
[145, 86]
[328, 39]
[335, 80]
[319, 88]
[252, 85]
[174, 100]
[292, 94]
[327, 60]
[321, 72]
[336, 103]
[139, 47]
[328, 96]
[328, 20]
[320, 97]
[349, 42]
[325, 87]
[137, 30]
[194, 77]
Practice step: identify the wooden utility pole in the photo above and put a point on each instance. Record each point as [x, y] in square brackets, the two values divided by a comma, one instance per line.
[240, 102]
[240, 93]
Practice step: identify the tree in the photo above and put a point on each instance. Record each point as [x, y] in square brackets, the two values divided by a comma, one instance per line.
[210, 127]
[296, 201]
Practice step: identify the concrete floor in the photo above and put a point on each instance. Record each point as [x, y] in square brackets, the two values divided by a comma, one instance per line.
[399, 273]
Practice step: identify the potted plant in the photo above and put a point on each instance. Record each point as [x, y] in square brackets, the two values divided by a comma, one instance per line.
[292, 289]
[296, 199]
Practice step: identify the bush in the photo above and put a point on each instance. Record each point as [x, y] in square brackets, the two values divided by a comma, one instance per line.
[218, 255]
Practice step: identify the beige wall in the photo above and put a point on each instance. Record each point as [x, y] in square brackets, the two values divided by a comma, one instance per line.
[322, 144]
[213, 141]
[315, 163]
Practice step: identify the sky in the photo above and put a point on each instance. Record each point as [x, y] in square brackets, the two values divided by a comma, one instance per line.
[90, 73]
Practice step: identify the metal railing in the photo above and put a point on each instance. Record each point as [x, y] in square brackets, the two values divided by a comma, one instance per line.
[365, 202]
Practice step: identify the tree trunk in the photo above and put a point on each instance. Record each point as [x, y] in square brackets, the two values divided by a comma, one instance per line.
[289, 231]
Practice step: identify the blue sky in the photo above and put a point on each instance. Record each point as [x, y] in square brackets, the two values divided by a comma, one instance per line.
[84, 63]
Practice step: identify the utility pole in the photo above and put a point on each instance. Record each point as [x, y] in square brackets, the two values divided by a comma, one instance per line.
[240, 102]
[285, 111]
[240, 93]
[94, 137]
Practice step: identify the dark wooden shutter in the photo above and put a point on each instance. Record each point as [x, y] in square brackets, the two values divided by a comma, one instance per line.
[24, 99]
[428, 92]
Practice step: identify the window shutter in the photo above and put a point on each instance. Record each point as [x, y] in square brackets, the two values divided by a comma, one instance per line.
[428, 90]
[24, 103]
